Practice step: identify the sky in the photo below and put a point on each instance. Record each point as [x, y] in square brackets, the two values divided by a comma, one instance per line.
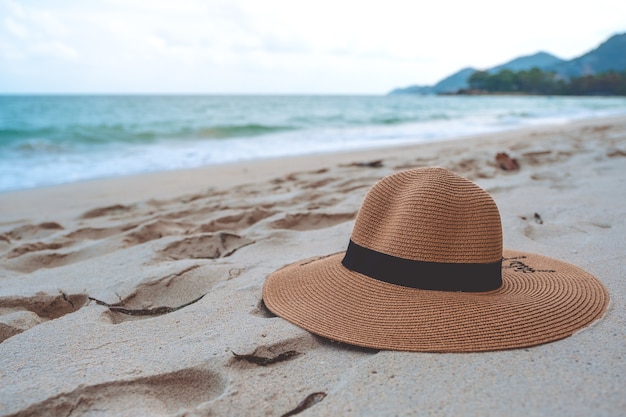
[280, 46]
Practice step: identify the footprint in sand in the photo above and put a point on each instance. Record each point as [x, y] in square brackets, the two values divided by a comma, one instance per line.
[31, 256]
[167, 294]
[158, 395]
[237, 221]
[28, 256]
[545, 157]
[18, 314]
[155, 230]
[38, 258]
[318, 202]
[97, 233]
[311, 221]
[105, 211]
[473, 168]
[33, 247]
[349, 186]
[416, 163]
[615, 152]
[206, 246]
[536, 157]
[33, 231]
[317, 183]
[549, 176]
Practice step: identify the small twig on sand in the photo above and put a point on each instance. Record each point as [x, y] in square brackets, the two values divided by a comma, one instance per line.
[155, 311]
[308, 402]
[264, 361]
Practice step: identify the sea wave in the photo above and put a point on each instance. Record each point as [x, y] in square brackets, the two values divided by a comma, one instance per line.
[67, 138]
[234, 131]
[47, 140]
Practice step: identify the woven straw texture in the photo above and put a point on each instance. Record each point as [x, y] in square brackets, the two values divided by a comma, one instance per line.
[433, 215]
[430, 214]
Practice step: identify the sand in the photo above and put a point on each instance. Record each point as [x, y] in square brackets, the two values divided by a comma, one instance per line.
[131, 296]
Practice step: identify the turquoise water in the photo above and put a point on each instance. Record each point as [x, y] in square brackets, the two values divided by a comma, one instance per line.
[46, 140]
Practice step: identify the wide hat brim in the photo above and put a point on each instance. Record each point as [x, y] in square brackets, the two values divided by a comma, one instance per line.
[541, 300]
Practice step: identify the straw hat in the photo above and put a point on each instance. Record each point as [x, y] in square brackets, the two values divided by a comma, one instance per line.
[425, 271]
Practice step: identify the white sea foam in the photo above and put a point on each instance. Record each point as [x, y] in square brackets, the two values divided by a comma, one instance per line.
[74, 139]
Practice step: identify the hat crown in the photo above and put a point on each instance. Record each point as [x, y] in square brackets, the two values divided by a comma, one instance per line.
[430, 215]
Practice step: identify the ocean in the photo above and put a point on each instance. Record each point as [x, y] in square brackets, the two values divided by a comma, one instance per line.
[48, 140]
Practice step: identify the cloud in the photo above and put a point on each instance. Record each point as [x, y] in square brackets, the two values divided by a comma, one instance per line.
[32, 34]
[14, 28]
[278, 45]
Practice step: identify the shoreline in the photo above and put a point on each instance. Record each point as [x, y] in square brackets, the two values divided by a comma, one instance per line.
[130, 188]
[188, 252]
[77, 152]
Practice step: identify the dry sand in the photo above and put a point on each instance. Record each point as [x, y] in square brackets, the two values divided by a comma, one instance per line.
[204, 240]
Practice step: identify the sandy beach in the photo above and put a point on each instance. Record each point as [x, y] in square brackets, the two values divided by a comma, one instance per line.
[136, 295]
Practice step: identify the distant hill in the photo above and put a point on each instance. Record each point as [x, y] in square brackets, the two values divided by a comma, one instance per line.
[458, 80]
[541, 60]
[610, 55]
[451, 83]
[413, 89]
[455, 81]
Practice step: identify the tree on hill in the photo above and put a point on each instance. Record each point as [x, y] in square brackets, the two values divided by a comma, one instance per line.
[610, 83]
[536, 81]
